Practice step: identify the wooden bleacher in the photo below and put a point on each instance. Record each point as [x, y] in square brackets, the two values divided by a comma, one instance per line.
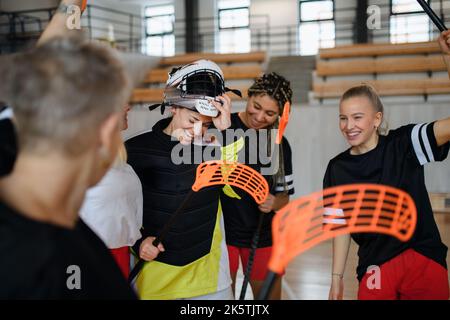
[440, 202]
[237, 72]
[336, 64]
[404, 87]
[237, 66]
[229, 58]
[379, 49]
[379, 66]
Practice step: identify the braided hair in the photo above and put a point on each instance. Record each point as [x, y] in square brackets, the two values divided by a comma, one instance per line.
[273, 85]
[279, 89]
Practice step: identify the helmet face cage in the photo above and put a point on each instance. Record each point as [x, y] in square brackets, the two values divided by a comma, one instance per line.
[199, 84]
[202, 83]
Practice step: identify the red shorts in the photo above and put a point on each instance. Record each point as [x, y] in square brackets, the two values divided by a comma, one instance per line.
[260, 262]
[408, 276]
[122, 258]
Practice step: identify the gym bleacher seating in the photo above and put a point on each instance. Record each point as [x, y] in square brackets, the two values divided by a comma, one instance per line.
[380, 65]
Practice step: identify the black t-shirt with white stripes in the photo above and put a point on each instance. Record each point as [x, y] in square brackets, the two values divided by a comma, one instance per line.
[241, 215]
[397, 161]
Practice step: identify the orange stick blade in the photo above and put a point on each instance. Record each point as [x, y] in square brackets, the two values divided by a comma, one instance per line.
[346, 209]
[219, 172]
[283, 122]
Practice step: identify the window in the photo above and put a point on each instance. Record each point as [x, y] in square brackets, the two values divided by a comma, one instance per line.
[234, 26]
[316, 27]
[160, 39]
[408, 23]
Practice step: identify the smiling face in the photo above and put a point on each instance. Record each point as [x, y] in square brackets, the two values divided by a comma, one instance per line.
[358, 122]
[186, 124]
[261, 112]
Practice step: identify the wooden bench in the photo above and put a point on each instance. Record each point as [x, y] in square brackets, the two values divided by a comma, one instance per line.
[335, 89]
[379, 66]
[366, 50]
[374, 59]
[143, 95]
[440, 202]
[256, 56]
[147, 95]
[234, 72]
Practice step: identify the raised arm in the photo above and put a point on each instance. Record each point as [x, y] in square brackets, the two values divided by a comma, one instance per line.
[442, 127]
[57, 26]
[444, 42]
[442, 131]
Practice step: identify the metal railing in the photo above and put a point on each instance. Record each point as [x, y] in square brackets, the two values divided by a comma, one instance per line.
[20, 28]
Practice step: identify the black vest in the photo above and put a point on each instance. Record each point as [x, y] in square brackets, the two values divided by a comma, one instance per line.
[165, 185]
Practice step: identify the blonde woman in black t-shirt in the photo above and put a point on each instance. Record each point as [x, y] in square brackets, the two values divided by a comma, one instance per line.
[405, 270]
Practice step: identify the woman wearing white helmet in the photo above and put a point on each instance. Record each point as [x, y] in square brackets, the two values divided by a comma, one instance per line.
[199, 87]
[194, 264]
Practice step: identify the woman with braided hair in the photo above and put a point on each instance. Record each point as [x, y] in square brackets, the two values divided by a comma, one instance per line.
[254, 135]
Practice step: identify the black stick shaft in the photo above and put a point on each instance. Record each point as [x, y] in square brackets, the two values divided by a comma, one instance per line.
[138, 266]
[136, 269]
[267, 286]
[251, 258]
[254, 247]
[433, 16]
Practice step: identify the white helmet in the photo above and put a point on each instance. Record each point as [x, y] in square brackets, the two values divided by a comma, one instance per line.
[193, 85]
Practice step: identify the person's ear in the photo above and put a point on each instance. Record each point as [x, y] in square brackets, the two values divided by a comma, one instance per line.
[378, 119]
[109, 137]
